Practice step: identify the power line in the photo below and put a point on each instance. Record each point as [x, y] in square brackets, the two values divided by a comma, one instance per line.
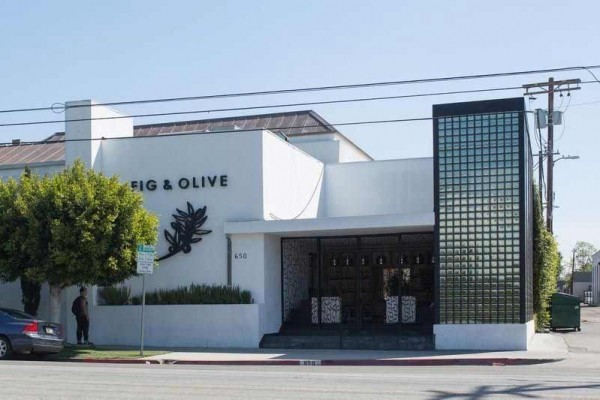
[325, 102]
[323, 88]
[274, 129]
[564, 119]
[362, 99]
[586, 103]
[591, 73]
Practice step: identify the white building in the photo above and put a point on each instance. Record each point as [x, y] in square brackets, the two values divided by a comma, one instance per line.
[596, 279]
[320, 233]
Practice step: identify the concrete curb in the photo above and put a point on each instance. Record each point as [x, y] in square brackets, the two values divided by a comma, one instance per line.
[348, 362]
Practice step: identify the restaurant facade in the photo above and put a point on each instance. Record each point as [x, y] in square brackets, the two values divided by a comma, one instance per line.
[336, 249]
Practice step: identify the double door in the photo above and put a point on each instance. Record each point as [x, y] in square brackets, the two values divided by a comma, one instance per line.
[362, 280]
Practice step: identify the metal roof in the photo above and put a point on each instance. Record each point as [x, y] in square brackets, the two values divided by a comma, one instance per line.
[293, 123]
[48, 150]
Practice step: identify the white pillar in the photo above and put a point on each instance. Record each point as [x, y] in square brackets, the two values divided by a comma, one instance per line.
[86, 125]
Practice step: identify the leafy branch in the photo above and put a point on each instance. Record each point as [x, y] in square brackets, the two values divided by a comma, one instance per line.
[186, 230]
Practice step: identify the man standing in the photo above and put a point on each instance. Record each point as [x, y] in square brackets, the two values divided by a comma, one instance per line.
[80, 309]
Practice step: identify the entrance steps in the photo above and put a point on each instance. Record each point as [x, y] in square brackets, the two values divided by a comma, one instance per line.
[347, 340]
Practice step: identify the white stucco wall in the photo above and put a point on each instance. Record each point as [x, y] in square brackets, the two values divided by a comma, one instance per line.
[10, 295]
[173, 158]
[40, 169]
[596, 278]
[330, 148]
[248, 264]
[349, 152]
[256, 266]
[379, 187]
[326, 151]
[79, 127]
[483, 336]
[271, 312]
[214, 325]
[291, 179]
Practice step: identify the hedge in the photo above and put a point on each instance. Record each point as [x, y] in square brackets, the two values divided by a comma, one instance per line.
[193, 294]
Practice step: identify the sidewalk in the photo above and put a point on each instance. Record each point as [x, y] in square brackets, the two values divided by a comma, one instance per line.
[577, 349]
[544, 348]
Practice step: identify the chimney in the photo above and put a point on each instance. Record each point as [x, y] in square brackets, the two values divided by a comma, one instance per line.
[86, 125]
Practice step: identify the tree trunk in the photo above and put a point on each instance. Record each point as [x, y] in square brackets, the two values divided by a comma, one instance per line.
[30, 296]
[55, 303]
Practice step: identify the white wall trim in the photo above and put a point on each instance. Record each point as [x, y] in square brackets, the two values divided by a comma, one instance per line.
[336, 225]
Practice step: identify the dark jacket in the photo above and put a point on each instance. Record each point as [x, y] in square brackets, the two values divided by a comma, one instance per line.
[83, 307]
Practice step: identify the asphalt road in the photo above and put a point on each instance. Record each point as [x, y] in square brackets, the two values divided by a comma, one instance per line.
[38, 380]
[588, 340]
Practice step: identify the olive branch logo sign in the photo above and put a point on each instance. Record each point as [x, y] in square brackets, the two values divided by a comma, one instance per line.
[187, 230]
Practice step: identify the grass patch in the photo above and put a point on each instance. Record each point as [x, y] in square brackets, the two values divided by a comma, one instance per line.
[81, 353]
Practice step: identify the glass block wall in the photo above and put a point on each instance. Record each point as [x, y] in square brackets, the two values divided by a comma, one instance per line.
[480, 212]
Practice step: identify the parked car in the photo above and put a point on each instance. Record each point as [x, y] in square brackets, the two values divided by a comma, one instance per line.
[23, 333]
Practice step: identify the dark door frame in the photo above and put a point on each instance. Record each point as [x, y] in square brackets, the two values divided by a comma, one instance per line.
[357, 251]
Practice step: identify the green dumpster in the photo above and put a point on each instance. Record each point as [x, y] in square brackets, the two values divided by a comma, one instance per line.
[565, 312]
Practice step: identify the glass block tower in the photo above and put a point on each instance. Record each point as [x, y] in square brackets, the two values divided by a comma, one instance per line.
[483, 207]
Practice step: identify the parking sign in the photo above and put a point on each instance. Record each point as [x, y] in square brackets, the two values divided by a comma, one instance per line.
[145, 259]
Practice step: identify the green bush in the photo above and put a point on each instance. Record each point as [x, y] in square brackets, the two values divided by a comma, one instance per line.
[546, 266]
[113, 296]
[196, 294]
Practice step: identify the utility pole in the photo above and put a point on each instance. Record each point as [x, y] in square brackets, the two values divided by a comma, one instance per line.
[541, 177]
[573, 271]
[550, 168]
[550, 88]
[540, 161]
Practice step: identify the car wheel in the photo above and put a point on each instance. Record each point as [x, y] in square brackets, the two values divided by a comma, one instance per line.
[5, 348]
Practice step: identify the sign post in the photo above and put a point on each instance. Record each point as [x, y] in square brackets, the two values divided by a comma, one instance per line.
[145, 265]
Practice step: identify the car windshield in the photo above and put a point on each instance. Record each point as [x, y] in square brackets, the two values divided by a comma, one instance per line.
[16, 314]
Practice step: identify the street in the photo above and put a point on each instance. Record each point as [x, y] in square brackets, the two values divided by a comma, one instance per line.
[35, 380]
[576, 376]
[588, 340]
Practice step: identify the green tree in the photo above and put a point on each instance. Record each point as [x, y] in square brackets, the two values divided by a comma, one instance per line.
[14, 261]
[583, 256]
[79, 227]
[546, 265]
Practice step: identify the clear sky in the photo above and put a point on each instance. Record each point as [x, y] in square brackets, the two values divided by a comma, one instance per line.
[110, 50]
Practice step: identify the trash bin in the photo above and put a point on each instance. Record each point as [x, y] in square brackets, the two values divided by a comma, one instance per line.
[565, 312]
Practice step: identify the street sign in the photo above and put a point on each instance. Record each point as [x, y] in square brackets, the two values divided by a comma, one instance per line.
[145, 266]
[145, 259]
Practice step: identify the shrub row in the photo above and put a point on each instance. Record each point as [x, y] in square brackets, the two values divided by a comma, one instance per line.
[193, 294]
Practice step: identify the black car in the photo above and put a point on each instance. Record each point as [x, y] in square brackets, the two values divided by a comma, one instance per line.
[21, 333]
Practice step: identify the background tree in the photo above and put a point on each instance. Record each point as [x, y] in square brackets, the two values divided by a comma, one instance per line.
[546, 265]
[583, 256]
[82, 228]
[583, 261]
